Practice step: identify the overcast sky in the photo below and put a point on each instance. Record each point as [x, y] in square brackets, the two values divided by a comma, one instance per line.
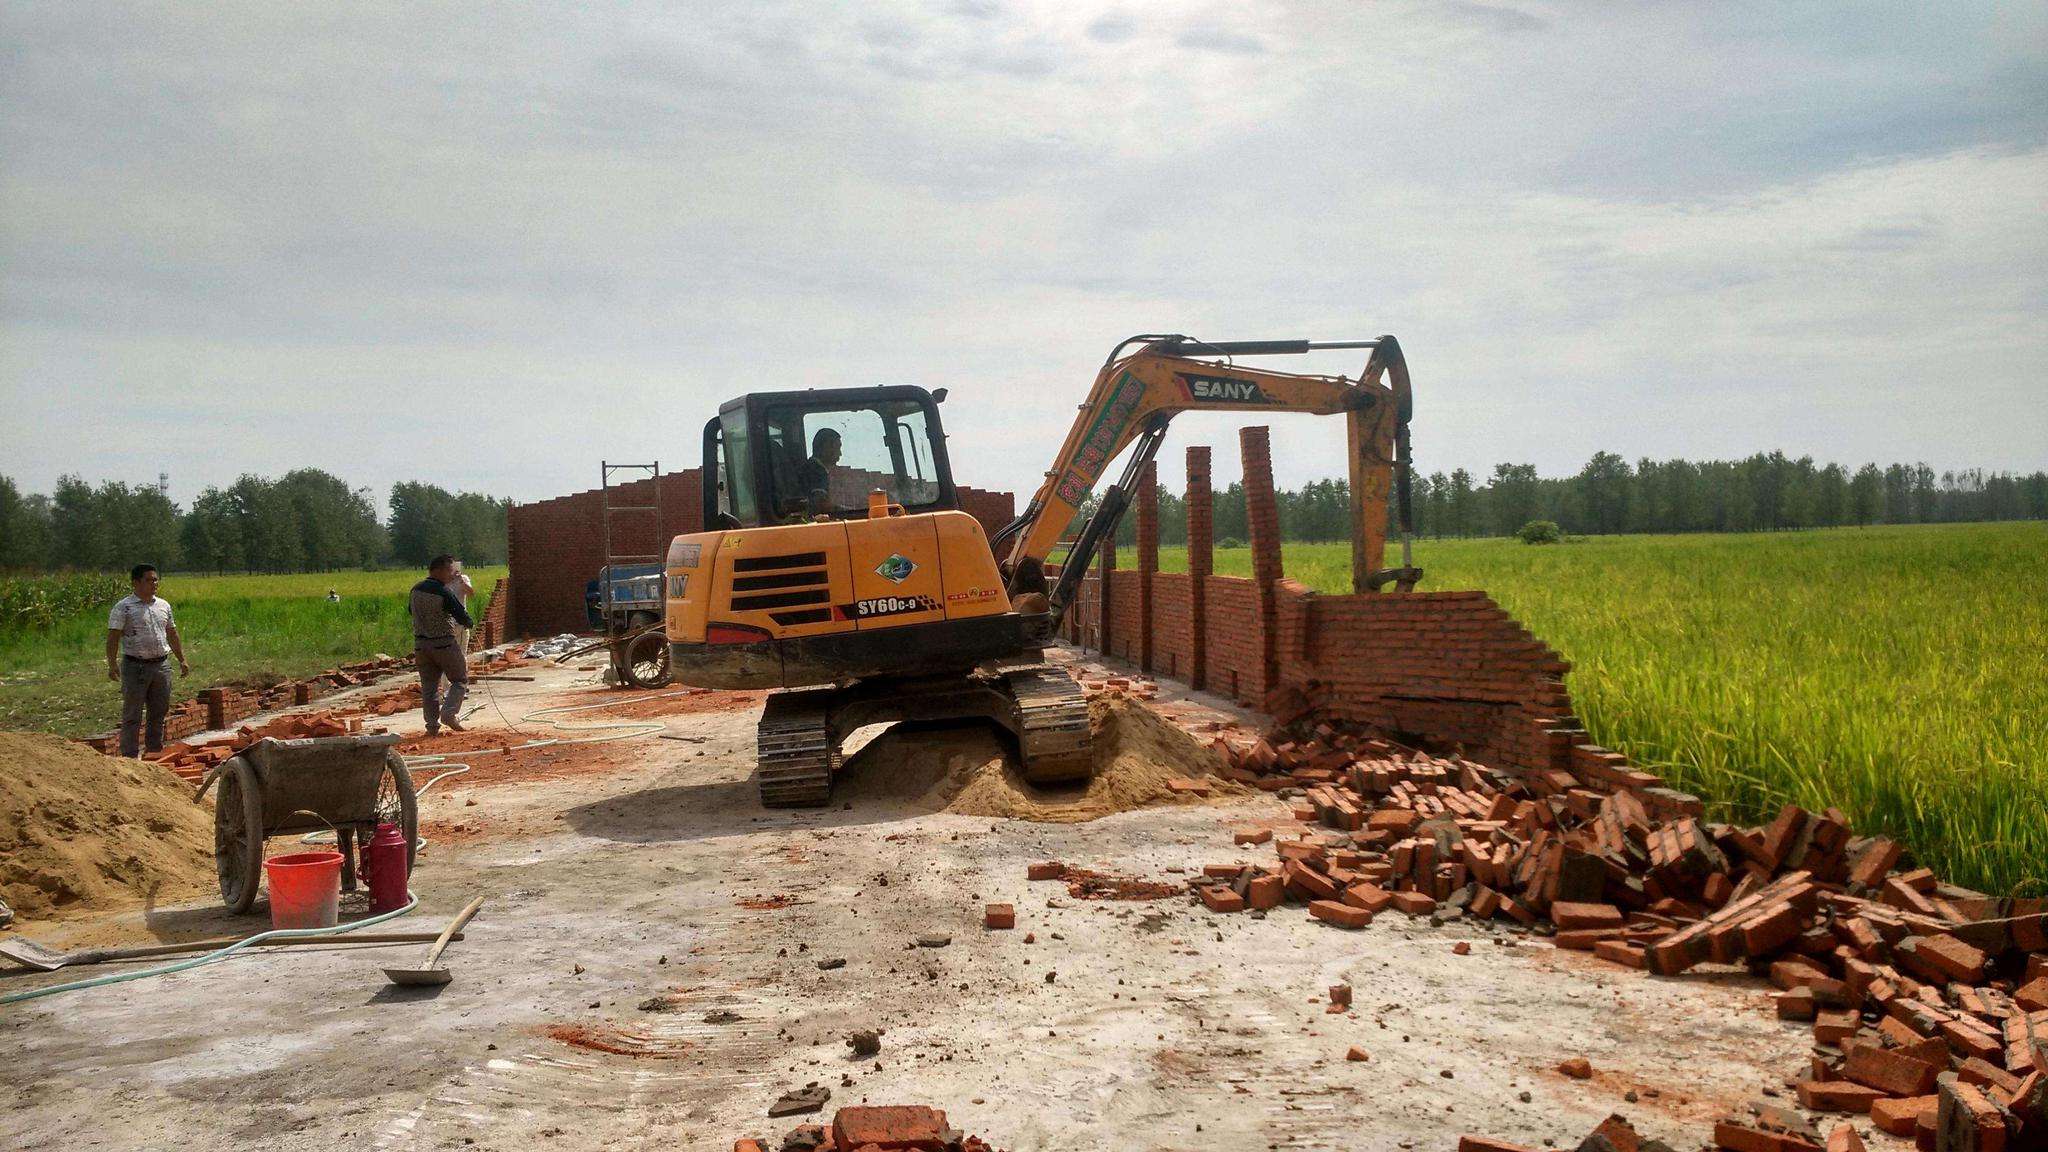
[489, 246]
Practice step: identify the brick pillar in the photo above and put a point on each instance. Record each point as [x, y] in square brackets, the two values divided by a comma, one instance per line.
[1201, 508]
[1106, 569]
[1148, 557]
[1262, 514]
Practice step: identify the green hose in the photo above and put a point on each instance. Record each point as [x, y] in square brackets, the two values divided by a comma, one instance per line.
[411, 902]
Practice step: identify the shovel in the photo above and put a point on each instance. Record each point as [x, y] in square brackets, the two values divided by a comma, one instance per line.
[30, 954]
[428, 974]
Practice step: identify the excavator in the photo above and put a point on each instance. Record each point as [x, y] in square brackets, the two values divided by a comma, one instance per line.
[837, 567]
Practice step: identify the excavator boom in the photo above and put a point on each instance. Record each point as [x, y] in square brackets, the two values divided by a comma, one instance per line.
[1135, 395]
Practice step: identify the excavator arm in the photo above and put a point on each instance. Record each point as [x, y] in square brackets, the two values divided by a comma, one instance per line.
[1137, 393]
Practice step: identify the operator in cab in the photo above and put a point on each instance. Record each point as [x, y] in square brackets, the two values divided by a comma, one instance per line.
[815, 474]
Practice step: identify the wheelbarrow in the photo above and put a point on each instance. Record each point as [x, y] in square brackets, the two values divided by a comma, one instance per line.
[349, 784]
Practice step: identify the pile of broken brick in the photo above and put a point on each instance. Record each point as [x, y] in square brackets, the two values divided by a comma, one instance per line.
[888, 1128]
[191, 761]
[1929, 1003]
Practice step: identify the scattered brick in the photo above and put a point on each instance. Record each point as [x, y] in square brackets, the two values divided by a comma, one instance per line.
[1341, 915]
[999, 916]
[1045, 870]
[1578, 1068]
[1898, 1116]
[1221, 899]
[1837, 1096]
[1356, 1053]
[910, 1127]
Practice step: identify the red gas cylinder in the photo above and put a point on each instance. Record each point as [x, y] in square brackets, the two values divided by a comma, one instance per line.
[384, 866]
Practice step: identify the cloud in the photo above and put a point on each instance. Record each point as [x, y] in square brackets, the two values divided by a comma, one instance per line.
[245, 238]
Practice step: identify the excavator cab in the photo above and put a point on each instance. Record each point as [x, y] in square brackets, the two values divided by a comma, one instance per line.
[793, 457]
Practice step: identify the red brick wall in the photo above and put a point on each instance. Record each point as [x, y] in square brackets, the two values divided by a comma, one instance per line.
[993, 509]
[1441, 669]
[1173, 648]
[493, 629]
[557, 545]
[1230, 637]
[1126, 625]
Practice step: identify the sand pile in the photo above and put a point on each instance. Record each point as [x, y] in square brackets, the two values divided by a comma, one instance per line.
[82, 832]
[967, 770]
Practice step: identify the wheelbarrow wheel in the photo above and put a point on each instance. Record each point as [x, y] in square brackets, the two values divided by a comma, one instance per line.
[238, 835]
[646, 663]
[398, 803]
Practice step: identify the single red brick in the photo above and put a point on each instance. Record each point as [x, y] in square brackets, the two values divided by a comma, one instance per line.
[1899, 1115]
[1415, 903]
[999, 916]
[1940, 959]
[748, 1146]
[1341, 915]
[1309, 882]
[1249, 836]
[1837, 1096]
[1834, 1027]
[1844, 1139]
[1370, 897]
[1887, 1070]
[1045, 870]
[1796, 1004]
[2033, 995]
[1578, 1068]
[912, 1127]
[1566, 914]
[1266, 892]
[1340, 995]
[1220, 899]
[1461, 948]
[1357, 1053]
[1742, 1136]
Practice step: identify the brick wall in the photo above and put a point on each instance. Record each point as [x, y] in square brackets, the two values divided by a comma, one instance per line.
[493, 629]
[1444, 670]
[557, 545]
[1173, 649]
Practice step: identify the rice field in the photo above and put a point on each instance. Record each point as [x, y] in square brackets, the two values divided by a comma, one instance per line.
[1898, 673]
[237, 629]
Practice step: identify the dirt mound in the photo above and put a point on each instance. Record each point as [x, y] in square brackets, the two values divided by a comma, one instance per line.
[966, 770]
[82, 832]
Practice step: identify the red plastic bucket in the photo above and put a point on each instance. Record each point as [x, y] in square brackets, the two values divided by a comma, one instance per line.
[305, 889]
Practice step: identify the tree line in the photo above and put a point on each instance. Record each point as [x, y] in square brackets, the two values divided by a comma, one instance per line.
[1762, 493]
[304, 521]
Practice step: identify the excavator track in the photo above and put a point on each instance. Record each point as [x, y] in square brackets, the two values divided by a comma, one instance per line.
[796, 750]
[1052, 724]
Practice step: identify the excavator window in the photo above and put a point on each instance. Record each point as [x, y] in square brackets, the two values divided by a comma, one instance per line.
[825, 461]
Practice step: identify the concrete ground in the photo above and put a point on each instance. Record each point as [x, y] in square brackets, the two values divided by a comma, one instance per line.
[646, 973]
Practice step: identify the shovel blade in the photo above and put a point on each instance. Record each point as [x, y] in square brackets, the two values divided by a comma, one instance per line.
[30, 954]
[419, 976]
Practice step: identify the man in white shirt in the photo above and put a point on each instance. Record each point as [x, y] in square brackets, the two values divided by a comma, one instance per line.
[463, 590]
[141, 638]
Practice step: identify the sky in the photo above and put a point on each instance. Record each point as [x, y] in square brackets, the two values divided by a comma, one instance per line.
[488, 246]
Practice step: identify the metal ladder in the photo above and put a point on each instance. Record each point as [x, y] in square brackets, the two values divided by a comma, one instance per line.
[613, 558]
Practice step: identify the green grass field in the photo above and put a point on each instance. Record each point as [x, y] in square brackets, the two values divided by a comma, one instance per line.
[1900, 673]
[235, 628]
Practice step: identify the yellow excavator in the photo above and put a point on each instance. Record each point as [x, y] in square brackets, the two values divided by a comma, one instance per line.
[837, 567]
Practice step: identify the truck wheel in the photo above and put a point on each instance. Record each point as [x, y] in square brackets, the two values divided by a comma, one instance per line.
[646, 662]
